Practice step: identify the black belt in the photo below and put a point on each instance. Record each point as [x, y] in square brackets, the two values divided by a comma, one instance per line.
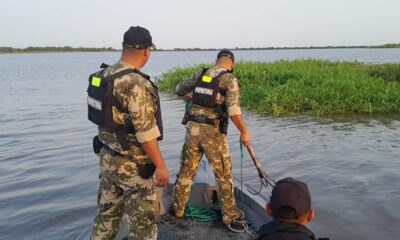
[114, 153]
[111, 151]
[202, 119]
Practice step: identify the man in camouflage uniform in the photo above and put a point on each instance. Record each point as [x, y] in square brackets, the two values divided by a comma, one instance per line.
[122, 190]
[207, 138]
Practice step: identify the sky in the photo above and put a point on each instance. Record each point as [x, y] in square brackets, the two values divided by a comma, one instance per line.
[201, 23]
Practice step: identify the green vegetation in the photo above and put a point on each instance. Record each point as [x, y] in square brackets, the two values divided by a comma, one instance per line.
[389, 45]
[53, 49]
[310, 86]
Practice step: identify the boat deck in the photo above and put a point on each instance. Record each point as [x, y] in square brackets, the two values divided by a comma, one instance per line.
[204, 194]
[186, 228]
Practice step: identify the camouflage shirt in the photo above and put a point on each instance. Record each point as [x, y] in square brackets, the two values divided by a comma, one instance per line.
[227, 82]
[137, 95]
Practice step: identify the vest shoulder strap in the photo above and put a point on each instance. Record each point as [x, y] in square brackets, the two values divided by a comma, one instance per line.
[104, 65]
[120, 74]
[108, 83]
[217, 78]
[202, 73]
[131, 70]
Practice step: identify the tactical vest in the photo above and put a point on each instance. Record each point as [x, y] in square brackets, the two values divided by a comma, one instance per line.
[101, 100]
[206, 89]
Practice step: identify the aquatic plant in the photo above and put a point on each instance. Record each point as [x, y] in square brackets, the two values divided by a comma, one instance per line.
[310, 86]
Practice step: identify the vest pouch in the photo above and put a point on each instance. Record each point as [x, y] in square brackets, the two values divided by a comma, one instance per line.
[223, 119]
[146, 170]
[97, 145]
[223, 124]
[186, 116]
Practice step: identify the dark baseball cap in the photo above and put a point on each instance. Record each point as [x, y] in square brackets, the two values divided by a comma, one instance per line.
[226, 53]
[138, 37]
[290, 192]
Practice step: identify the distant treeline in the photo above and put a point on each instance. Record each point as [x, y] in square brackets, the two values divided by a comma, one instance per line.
[389, 45]
[54, 49]
[110, 49]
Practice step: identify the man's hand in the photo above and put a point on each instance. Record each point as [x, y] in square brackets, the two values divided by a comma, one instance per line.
[245, 138]
[161, 173]
[188, 97]
[162, 176]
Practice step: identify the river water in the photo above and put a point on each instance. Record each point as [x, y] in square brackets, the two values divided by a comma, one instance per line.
[49, 175]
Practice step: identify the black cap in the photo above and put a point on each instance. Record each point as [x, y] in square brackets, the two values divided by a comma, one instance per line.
[293, 193]
[138, 37]
[226, 53]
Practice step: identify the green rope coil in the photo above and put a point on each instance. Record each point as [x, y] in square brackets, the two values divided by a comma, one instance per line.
[202, 214]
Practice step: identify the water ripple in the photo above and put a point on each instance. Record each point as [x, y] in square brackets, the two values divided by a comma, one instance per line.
[49, 174]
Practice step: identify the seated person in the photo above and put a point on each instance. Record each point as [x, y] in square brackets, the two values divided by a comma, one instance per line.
[290, 208]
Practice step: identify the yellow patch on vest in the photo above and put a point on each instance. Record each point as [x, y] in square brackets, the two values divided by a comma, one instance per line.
[96, 81]
[206, 79]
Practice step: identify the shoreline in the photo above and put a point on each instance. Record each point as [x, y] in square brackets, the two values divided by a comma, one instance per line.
[67, 49]
[204, 50]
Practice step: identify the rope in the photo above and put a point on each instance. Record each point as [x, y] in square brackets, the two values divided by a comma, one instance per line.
[202, 214]
[205, 214]
[245, 228]
[241, 170]
[187, 105]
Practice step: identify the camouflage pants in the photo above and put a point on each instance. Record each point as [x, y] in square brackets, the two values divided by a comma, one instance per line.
[123, 191]
[202, 138]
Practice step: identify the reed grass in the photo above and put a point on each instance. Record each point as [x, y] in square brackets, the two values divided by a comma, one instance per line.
[309, 86]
